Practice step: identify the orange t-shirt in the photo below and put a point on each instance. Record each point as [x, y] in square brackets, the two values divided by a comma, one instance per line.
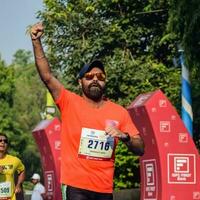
[87, 158]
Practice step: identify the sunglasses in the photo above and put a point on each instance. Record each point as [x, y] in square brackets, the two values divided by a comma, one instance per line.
[100, 76]
[4, 140]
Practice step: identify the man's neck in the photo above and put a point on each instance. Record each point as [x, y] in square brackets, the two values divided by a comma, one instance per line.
[2, 155]
[94, 104]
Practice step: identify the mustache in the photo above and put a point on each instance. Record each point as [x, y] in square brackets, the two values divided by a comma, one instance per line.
[95, 84]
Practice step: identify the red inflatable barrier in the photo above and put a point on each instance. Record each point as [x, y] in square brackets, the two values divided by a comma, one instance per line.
[170, 167]
[47, 137]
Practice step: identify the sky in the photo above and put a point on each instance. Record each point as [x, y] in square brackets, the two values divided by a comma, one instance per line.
[15, 17]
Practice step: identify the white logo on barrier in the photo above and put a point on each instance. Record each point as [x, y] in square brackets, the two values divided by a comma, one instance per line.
[181, 168]
[166, 144]
[196, 195]
[150, 174]
[152, 141]
[141, 100]
[57, 144]
[57, 127]
[144, 130]
[50, 181]
[181, 165]
[172, 197]
[173, 117]
[162, 103]
[165, 126]
[183, 137]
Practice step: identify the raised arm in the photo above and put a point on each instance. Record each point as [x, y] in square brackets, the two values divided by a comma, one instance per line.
[53, 85]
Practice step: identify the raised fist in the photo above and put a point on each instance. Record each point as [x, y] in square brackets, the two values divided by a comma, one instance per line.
[36, 31]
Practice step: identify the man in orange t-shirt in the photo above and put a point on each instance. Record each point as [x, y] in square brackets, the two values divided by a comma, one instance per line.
[91, 128]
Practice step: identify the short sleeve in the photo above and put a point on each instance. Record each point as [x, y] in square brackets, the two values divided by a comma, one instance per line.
[20, 166]
[127, 125]
[63, 99]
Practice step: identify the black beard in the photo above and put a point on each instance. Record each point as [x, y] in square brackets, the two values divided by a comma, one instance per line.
[94, 91]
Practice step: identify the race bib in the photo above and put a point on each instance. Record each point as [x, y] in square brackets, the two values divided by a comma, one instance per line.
[5, 190]
[95, 144]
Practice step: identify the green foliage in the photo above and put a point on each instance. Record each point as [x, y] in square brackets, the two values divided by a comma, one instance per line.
[127, 174]
[75, 35]
[7, 88]
[6, 83]
[128, 78]
[184, 22]
[22, 98]
[29, 102]
[22, 58]
[196, 105]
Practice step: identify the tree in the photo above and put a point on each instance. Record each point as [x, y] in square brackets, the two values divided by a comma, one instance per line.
[22, 57]
[8, 125]
[21, 101]
[29, 102]
[184, 22]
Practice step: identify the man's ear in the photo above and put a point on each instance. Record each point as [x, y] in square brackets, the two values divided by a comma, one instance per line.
[79, 82]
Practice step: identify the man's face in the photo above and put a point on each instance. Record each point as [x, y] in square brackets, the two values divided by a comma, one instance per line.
[93, 84]
[34, 181]
[3, 143]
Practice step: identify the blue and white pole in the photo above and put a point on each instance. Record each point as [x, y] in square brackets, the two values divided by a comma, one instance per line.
[186, 110]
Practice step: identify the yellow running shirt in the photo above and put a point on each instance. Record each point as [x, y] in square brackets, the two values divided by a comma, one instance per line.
[10, 165]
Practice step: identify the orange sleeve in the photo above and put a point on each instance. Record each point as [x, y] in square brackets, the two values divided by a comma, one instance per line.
[61, 101]
[128, 126]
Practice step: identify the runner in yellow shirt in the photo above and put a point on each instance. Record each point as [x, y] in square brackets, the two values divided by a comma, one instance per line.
[8, 166]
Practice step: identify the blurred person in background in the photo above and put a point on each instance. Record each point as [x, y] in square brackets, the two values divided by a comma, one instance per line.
[9, 166]
[39, 189]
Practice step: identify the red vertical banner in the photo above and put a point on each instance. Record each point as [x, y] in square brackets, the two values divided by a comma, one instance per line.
[47, 137]
[170, 166]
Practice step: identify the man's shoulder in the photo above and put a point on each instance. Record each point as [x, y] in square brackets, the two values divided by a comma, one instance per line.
[115, 105]
[66, 95]
[71, 93]
[11, 157]
[40, 186]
